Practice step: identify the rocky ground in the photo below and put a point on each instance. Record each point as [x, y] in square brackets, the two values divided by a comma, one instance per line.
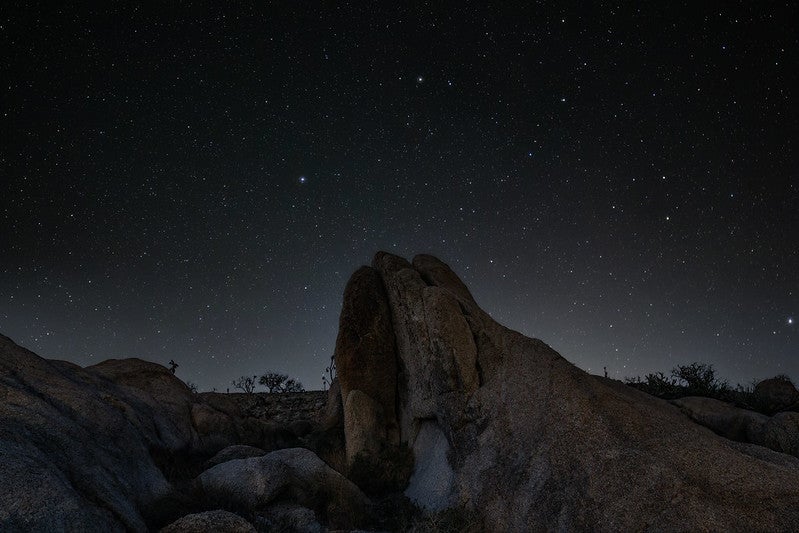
[441, 420]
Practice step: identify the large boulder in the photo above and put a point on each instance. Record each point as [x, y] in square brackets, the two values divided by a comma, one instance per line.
[295, 474]
[503, 426]
[776, 394]
[168, 398]
[75, 448]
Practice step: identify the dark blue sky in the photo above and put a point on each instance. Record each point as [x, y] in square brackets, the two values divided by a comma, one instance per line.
[618, 181]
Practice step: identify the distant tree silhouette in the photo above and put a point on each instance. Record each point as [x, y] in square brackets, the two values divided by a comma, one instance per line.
[173, 365]
[273, 381]
[192, 387]
[245, 383]
[292, 385]
[277, 382]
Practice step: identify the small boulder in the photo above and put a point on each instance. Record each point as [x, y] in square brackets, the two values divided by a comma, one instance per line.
[218, 520]
[294, 473]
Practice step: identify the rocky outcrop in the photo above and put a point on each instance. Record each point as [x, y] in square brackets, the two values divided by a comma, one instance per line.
[779, 432]
[112, 447]
[75, 448]
[503, 426]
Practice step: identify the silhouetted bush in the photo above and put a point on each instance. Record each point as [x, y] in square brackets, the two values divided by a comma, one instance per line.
[699, 379]
[293, 385]
[277, 382]
[655, 384]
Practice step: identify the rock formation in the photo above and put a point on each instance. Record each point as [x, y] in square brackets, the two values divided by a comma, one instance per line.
[107, 447]
[503, 426]
[434, 398]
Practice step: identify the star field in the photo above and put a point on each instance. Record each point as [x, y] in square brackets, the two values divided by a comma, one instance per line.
[198, 182]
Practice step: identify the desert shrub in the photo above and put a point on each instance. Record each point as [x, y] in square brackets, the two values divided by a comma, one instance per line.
[277, 382]
[696, 379]
[699, 379]
[386, 473]
[657, 384]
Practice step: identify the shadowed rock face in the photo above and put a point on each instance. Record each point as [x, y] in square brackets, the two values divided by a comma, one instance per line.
[527, 439]
[776, 395]
[367, 366]
[98, 448]
[74, 448]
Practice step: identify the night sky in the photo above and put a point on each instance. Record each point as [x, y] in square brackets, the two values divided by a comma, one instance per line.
[198, 183]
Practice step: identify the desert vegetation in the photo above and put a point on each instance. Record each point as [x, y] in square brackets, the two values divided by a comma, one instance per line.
[275, 382]
[700, 379]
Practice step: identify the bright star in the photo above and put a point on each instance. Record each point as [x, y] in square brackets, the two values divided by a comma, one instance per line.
[790, 320]
[302, 179]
